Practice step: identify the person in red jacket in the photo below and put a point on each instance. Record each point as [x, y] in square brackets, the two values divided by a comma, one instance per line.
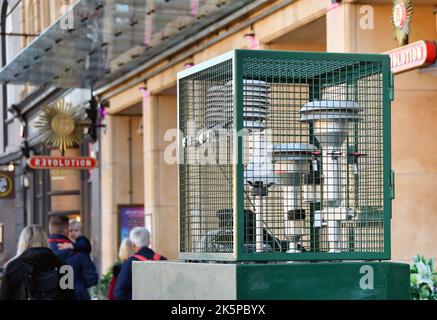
[124, 253]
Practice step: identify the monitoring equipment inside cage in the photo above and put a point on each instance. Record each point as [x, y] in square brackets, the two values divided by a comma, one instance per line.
[291, 161]
[330, 121]
[284, 156]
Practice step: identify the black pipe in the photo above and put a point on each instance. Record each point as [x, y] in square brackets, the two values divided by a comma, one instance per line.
[4, 86]
[130, 162]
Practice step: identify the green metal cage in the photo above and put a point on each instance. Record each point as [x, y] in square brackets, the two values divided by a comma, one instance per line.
[285, 156]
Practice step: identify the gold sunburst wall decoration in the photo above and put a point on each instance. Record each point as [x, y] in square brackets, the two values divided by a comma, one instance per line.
[401, 19]
[60, 125]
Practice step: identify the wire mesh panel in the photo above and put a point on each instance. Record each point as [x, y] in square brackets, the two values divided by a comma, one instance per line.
[206, 173]
[297, 167]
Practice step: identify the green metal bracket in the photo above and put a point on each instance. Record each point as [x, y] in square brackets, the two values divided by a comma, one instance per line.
[350, 150]
[392, 185]
[392, 87]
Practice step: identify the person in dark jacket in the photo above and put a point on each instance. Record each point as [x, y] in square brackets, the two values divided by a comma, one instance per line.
[85, 273]
[140, 238]
[33, 258]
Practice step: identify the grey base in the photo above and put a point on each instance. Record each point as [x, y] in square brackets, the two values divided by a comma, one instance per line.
[172, 280]
[176, 280]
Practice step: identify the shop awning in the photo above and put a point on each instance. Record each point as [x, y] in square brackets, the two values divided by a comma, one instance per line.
[102, 39]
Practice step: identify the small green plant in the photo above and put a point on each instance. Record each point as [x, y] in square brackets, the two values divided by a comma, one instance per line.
[423, 279]
[100, 291]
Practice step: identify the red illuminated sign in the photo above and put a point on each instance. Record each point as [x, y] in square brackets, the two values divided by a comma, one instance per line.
[412, 56]
[66, 163]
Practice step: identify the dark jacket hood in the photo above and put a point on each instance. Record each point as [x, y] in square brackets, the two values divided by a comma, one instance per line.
[33, 259]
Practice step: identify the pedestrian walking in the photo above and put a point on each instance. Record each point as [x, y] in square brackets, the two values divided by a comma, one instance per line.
[33, 274]
[140, 238]
[85, 273]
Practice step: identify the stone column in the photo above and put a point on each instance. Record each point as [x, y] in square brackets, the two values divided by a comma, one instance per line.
[340, 27]
[160, 175]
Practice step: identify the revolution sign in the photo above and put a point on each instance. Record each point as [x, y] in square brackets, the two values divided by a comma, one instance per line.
[67, 163]
[412, 56]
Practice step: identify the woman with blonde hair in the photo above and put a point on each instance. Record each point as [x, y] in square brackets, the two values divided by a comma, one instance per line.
[125, 252]
[32, 236]
[33, 272]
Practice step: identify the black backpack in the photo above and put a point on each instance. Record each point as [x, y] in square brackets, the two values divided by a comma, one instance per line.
[43, 285]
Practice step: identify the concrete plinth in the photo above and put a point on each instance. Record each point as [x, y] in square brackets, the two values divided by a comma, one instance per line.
[174, 280]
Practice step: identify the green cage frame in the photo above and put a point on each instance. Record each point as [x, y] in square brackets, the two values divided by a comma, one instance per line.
[239, 254]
